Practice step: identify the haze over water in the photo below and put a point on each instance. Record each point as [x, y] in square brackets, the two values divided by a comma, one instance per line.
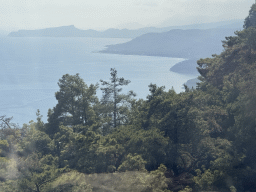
[31, 68]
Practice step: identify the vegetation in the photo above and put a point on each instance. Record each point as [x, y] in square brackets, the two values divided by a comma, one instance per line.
[197, 140]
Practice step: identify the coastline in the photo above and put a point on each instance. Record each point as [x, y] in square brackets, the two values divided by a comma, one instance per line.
[189, 64]
[186, 67]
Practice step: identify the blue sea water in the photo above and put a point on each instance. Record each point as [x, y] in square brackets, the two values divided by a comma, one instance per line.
[31, 68]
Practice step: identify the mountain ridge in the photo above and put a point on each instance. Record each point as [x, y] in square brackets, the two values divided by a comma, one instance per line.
[72, 31]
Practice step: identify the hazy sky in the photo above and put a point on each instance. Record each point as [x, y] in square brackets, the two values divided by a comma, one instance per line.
[103, 14]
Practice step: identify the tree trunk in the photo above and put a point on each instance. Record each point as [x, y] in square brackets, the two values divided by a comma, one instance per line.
[115, 104]
[37, 188]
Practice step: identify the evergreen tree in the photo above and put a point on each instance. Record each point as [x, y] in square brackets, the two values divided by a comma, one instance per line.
[116, 103]
[75, 104]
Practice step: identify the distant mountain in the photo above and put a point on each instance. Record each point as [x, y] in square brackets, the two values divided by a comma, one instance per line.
[190, 44]
[65, 31]
[72, 31]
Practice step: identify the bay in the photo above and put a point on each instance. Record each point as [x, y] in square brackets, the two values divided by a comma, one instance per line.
[31, 68]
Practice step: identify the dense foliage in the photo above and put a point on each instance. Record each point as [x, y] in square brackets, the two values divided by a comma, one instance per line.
[200, 139]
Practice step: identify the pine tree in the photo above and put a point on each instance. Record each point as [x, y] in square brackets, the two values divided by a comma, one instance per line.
[112, 98]
[75, 104]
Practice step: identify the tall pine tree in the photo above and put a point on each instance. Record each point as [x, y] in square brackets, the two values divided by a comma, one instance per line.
[117, 104]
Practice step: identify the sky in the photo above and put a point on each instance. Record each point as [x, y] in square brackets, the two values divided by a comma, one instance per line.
[104, 14]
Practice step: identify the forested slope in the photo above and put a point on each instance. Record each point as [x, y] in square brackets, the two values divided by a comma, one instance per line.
[198, 140]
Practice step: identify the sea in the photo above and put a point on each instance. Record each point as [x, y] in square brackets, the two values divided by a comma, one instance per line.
[30, 68]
